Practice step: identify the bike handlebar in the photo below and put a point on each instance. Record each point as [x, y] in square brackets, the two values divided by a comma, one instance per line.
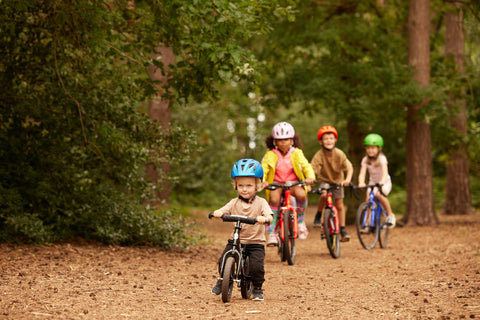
[326, 187]
[235, 218]
[378, 185]
[288, 185]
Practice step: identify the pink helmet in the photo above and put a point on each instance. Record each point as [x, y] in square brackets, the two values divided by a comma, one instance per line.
[283, 130]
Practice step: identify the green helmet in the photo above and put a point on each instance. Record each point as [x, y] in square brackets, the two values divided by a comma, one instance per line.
[373, 139]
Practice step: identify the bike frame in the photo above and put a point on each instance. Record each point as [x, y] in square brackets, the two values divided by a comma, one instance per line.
[329, 204]
[375, 207]
[287, 195]
[237, 252]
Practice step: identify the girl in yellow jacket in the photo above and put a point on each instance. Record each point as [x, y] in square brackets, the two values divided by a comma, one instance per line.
[285, 162]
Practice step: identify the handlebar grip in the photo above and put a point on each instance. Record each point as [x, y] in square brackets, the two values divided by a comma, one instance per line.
[242, 219]
[272, 187]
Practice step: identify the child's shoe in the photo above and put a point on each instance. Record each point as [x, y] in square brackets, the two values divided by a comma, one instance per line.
[257, 294]
[390, 221]
[302, 231]
[217, 288]
[272, 240]
[345, 237]
[365, 230]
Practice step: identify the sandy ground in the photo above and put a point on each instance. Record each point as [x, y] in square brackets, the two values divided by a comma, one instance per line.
[424, 273]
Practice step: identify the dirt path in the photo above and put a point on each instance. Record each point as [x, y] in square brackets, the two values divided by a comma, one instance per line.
[425, 273]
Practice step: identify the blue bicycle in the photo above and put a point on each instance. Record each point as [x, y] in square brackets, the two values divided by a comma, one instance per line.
[371, 216]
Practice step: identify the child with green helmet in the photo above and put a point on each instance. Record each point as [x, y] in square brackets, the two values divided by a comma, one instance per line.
[376, 164]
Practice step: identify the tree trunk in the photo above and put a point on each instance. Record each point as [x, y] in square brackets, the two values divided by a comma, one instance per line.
[158, 109]
[458, 199]
[420, 209]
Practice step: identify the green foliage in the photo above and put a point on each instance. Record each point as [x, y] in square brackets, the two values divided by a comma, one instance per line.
[207, 38]
[225, 131]
[346, 60]
[73, 139]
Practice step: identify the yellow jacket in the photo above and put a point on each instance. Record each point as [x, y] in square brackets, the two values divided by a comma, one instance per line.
[301, 167]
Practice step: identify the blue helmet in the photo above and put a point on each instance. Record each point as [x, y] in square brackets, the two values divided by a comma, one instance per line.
[247, 168]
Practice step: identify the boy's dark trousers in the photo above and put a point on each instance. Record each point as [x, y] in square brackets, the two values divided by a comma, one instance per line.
[256, 252]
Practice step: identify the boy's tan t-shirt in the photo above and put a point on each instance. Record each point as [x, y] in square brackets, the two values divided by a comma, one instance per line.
[331, 171]
[250, 234]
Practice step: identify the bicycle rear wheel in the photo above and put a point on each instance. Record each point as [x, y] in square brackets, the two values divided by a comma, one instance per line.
[367, 233]
[332, 234]
[288, 237]
[383, 229]
[246, 285]
[228, 276]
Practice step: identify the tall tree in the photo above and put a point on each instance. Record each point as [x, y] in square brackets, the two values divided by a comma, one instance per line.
[420, 208]
[458, 199]
[159, 110]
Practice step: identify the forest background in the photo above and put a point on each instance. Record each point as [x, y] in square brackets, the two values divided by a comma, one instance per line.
[117, 118]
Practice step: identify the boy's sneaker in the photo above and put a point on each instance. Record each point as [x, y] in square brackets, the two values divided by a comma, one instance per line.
[390, 221]
[365, 230]
[272, 240]
[316, 222]
[257, 294]
[217, 288]
[345, 236]
[302, 231]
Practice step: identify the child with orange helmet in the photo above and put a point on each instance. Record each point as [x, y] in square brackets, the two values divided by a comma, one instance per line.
[285, 162]
[332, 166]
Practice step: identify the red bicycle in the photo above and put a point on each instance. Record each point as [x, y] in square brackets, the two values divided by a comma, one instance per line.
[286, 227]
[331, 228]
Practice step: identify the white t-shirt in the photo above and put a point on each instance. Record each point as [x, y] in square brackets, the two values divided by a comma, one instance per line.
[375, 172]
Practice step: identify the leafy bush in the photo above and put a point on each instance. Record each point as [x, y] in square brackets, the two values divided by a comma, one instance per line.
[73, 140]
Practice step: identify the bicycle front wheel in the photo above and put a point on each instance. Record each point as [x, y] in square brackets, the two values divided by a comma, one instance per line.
[383, 229]
[366, 230]
[228, 276]
[246, 285]
[279, 233]
[332, 234]
[288, 237]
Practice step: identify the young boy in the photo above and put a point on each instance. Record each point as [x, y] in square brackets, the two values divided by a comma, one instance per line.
[247, 175]
[330, 164]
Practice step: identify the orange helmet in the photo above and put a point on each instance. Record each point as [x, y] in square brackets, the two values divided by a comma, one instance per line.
[326, 129]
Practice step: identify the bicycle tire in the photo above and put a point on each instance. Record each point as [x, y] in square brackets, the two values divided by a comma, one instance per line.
[246, 285]
[228, 276]
[383, 229]
[368, 239]
[279, 238]
[286, 236]
[332, 235]
[290, 244]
